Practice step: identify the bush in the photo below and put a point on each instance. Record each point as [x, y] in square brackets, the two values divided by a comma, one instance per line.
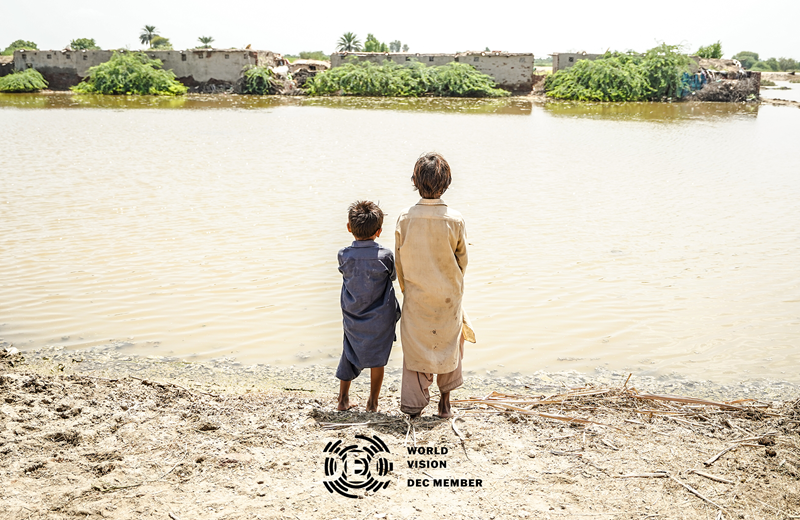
[711, 51]
[130, 73]
[28, 80]
[393, 80]
[653, 76]
[260, 80]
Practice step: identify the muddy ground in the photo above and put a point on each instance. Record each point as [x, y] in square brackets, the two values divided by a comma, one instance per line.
[103, 443]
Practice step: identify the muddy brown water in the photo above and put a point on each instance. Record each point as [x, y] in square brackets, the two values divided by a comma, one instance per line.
[652, 238]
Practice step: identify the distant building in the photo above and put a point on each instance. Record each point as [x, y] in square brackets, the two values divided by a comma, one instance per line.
[194, 67]
[565, 60]
[511, 70]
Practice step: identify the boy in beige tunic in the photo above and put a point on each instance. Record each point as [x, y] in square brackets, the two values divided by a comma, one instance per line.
[431, 257]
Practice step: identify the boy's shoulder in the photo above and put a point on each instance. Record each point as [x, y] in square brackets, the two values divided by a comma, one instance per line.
[371, 250]
[428, 211]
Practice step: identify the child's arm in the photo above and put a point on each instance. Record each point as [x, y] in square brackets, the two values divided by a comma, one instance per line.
[461, 248]
[398, 267]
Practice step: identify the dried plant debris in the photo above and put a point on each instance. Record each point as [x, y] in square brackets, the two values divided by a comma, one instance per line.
[153, 446]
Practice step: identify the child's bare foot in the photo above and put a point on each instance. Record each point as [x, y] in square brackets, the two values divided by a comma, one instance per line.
[445, 411]
[372, 406]
[345, 405]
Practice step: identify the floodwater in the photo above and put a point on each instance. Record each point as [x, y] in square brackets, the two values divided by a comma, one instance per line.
[651, 238]
[782, 90]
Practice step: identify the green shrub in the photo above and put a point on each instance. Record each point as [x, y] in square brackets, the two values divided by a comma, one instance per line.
[767, 83]
[711, 51]
[131, 73]
[260, 80]
[393, 80]
[28, 80]
[653, 76]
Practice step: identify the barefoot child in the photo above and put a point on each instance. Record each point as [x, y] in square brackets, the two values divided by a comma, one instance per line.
[369, 306]
[431, 252]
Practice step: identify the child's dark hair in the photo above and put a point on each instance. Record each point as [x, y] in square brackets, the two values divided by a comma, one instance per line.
[365, 219]
[431, 175]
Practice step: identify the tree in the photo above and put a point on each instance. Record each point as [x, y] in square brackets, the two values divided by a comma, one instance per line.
[711, 51]
[17, 45]
[747, 59]
[159, 42]
[372, 44]
[395, 46]
[773, 64]
[83, 44]
[148, 33]
[348, 43]
[206, 41]
[788, 64]
[405, 48]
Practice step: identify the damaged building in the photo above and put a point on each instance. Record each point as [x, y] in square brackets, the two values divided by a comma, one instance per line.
[198, 69]
[511, 71]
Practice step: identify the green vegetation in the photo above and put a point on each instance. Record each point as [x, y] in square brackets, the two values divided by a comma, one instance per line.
[710, 51]
[260, 81]
[747, 58]
[751, 61]
[543, 62]
[308, 55]
[372, 44]
[314, 55]
[17, 45]
[206, 41]
[84, 44]
[652, 76]
[28, 80]
[391, 79]
[148, 33]
[130, 73]
[349, 42]
[161, 43]
[767, 83]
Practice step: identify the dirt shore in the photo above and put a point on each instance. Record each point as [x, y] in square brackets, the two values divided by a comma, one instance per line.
[98, 442]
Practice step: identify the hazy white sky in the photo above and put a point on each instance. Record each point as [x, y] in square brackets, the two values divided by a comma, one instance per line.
[769, 27]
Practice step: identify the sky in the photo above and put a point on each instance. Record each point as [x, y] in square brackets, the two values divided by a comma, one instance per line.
[768, 27]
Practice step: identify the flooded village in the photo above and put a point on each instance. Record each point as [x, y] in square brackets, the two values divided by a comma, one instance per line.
[221, 70]
[170, 303]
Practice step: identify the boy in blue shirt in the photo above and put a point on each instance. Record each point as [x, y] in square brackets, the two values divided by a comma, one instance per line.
[369, 306]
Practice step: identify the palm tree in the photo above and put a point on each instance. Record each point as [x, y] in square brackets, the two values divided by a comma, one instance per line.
[148, 33]
[206, 41]
[348, 43]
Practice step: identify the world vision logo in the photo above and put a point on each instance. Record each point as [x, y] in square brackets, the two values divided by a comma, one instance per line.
[354, 467]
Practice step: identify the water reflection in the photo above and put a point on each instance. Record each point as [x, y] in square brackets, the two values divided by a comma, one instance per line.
[511, 106]
[651, 111]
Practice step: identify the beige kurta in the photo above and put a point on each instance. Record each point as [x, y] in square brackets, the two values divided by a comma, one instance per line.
[431, 257]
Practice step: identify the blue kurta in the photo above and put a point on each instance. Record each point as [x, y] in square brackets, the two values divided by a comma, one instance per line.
[369, 307]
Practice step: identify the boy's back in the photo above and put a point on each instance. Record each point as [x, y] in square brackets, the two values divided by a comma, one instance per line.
[431, 246]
